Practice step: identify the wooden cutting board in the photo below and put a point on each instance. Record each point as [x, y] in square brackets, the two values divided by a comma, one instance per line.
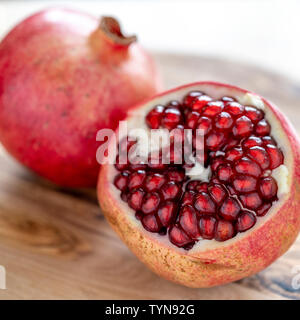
[56, 244]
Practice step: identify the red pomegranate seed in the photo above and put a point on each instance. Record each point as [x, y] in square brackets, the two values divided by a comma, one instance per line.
[262, 128]
[223, 121]
[153, 118]
[251, 142]
[244, 183]
[268, 187]
[190, 97]
[136, 179]
[188, 197]
[217, 193]
[251, 201]
[224, 172]
[247, 166]
[200, 102]
[154, 182]
[150, 223]
[234, 108]
[188, 221]
[204, 124]
[216, 162]
[213, 108]
[227, 99]
[201, 187]
[192, 119]
[166, 213]
[170, 190]
[215, 140]
[259, 155]
[171, 118]
[135, 199]
[121, 181]
[268, 140]
[230, 209]
[176, 175]
[178, 237]
[261, 211]
[242, 127]
[191, 185]
[224, 230]
[276, 156]
[150, 203]
[174, 103]
[245, 221]
[253, 114]
[231, 143]
[207, 227]
[234, 154]
[204, 204]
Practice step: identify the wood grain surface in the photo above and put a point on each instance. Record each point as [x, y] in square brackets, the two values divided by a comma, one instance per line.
[56, 244]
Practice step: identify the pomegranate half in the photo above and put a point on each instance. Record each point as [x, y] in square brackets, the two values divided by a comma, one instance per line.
[214, 221]
[63, 76]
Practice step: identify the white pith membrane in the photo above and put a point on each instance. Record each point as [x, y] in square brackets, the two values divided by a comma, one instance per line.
[283, 174]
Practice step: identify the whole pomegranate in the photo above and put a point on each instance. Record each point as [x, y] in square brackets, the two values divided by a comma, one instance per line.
[63, 76]
[220, 214]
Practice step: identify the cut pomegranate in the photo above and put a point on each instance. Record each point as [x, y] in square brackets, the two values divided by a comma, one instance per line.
[247, 157]
[240, 160]
[223, 211]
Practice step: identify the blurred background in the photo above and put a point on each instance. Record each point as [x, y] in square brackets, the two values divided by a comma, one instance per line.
[260, 32]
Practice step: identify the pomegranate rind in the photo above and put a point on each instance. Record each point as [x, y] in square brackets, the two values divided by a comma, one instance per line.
[55, 94]
[220, 263]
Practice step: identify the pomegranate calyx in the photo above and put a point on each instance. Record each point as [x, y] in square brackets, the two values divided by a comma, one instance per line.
[112, 32]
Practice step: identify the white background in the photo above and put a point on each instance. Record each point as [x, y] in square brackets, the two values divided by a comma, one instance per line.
[261, 32]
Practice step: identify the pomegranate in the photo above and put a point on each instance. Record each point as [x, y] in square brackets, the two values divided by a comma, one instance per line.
[63, 76]
[213, 221]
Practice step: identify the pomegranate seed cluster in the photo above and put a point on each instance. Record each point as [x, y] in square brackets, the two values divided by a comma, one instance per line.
[241, 154]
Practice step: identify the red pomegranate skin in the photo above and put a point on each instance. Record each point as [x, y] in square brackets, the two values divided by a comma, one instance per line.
[61, 80]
